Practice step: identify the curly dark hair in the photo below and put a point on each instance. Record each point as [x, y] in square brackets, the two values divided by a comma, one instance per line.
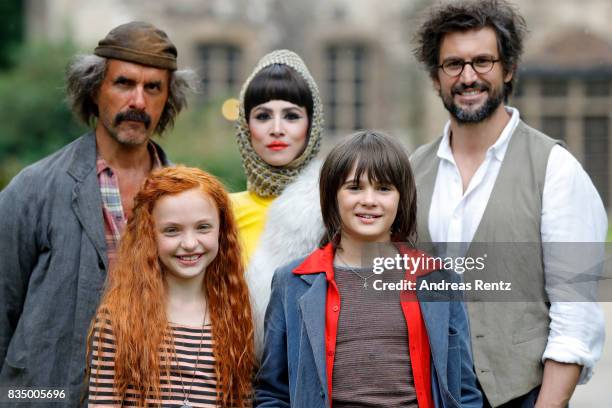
[501, 16]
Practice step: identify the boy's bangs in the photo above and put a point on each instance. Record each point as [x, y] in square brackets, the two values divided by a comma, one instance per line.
[378, 164]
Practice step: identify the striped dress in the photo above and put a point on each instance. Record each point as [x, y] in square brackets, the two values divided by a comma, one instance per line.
[186, 340]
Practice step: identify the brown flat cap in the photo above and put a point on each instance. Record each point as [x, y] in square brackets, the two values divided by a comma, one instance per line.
[139, 42]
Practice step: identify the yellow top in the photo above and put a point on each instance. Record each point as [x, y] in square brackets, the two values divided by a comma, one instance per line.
[251, 213]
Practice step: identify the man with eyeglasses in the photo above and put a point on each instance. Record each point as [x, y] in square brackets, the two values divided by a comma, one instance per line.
[491, 178]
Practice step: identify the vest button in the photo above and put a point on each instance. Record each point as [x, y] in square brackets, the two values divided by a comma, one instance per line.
[335, 308]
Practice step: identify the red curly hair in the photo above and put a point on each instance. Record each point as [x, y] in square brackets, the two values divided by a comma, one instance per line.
[134, 299]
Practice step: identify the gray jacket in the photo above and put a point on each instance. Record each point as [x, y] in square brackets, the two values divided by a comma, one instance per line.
[52, 270]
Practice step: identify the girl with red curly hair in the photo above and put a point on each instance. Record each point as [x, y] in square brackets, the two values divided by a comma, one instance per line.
[174, 325]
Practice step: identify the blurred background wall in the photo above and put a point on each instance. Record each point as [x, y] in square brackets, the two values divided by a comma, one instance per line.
[359, 51]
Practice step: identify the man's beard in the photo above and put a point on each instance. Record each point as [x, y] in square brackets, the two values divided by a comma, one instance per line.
[494, 99]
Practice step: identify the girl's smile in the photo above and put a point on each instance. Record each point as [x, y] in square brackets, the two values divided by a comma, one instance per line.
[187, 229]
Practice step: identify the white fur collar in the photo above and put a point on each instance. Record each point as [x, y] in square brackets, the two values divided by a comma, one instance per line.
[293, 229]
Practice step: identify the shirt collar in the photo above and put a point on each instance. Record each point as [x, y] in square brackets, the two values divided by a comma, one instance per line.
[102, 165]
[498, 149]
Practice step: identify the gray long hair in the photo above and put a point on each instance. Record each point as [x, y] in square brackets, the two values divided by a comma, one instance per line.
[84, 76]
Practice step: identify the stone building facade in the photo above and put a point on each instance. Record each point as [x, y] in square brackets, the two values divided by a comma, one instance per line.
[359, 51]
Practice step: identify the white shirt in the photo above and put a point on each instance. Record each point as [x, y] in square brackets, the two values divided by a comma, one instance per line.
[572, 211]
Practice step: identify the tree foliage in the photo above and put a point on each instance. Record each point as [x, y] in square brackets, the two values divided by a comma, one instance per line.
[12, 18]
[34, 118]
[36, 121]
[204, 139]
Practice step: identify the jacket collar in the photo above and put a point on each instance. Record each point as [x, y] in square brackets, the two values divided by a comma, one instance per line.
[161, 155]
[86, 199]
[83, 160]
[320, 261]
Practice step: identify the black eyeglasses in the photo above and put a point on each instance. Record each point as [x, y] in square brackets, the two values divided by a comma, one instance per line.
[482, 65]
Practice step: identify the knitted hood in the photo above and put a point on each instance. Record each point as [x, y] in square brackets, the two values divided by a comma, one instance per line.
[262, 178]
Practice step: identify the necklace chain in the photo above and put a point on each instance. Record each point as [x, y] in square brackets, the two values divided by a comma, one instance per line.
[186, 403]
[350, 268]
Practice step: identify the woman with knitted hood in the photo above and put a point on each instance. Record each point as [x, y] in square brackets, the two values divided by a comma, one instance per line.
[278, 134]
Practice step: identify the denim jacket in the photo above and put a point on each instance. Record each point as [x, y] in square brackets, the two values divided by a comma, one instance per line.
[294, 371]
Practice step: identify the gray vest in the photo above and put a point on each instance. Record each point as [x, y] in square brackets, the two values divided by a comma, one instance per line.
[508, 338]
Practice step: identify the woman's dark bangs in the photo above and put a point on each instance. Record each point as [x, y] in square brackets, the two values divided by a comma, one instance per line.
[268, 89]
[278, 82]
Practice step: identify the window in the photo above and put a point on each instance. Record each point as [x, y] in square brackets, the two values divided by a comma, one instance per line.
[581, 118]
[597, 87]
[597, 153]
[345, 85]
[553, 87]
[554, 126]
[219, 69]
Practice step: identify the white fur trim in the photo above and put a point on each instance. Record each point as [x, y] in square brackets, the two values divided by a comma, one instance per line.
[293, 229]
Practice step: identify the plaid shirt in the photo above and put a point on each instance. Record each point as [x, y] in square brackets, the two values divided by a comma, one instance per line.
[112, 209]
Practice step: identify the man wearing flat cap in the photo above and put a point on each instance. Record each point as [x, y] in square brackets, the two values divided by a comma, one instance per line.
[61, 218]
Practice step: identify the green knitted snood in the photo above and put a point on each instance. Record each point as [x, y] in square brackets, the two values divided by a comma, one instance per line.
[262, 178]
